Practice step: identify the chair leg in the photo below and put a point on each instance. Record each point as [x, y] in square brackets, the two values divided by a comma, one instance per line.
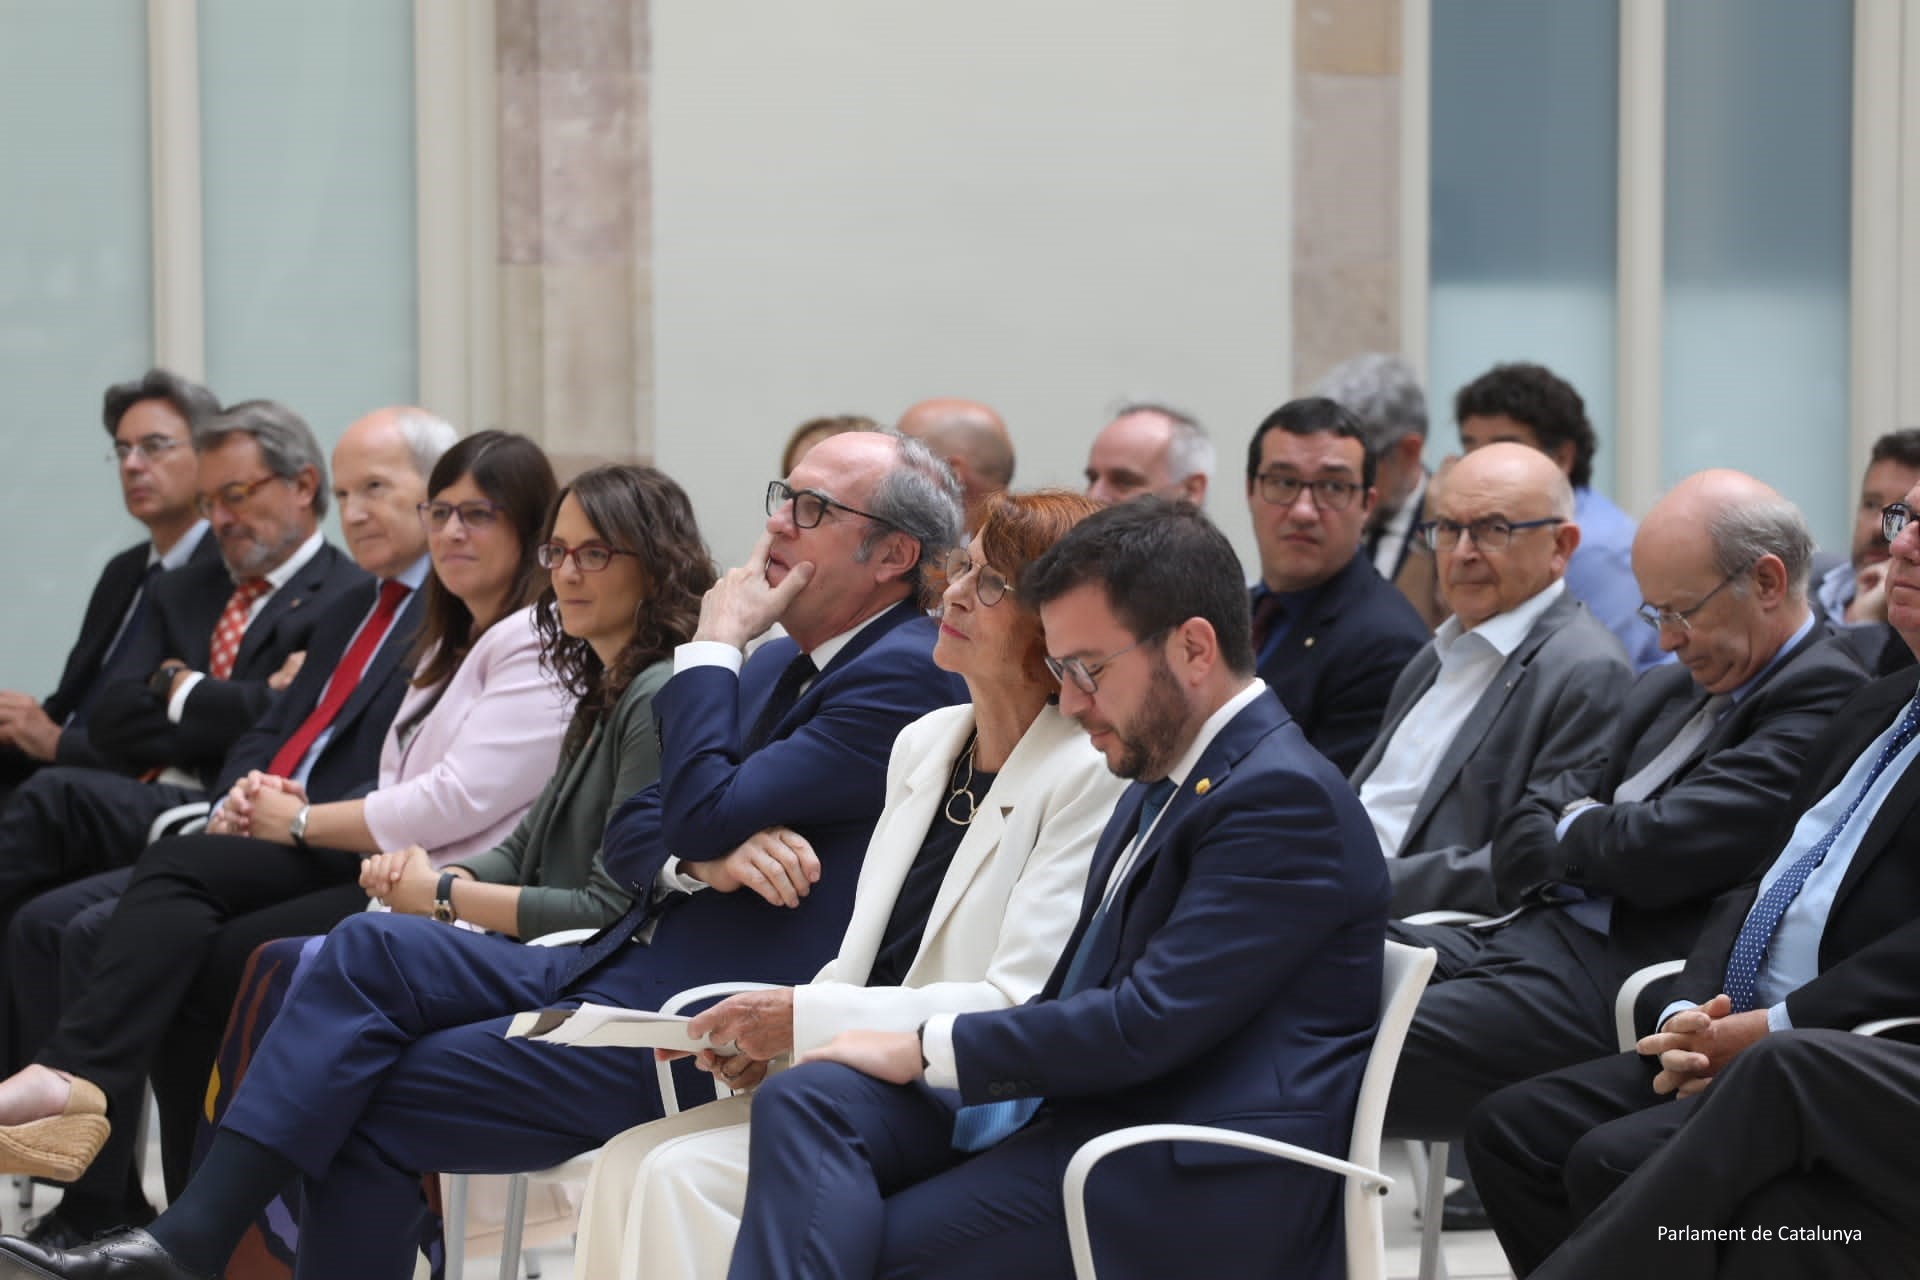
[1433, 1262]
[532, 1261]
[512, 1228]
[23, 1188]
[453, 1230]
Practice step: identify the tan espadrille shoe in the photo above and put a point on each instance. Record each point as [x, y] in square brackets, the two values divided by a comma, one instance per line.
[62, 1146]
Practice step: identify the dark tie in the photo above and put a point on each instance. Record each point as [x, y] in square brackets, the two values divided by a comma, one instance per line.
[1750, 947]
[136, 619]
[345, 678]
[786, 692]
[1269, 614]
[984, 1124]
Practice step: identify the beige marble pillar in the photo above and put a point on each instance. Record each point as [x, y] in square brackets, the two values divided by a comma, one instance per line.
[575, 218]
[1346, 182]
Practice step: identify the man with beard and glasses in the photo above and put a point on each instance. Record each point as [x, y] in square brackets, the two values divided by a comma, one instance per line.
[1225, 970]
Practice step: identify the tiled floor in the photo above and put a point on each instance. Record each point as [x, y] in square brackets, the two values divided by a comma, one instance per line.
[1471, 1255]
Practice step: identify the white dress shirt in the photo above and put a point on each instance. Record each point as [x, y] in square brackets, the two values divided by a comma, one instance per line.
[277, 578]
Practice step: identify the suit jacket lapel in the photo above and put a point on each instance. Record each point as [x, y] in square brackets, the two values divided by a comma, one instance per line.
[1419, 677]
[293, 595]
[869, 635]
[1891, 816]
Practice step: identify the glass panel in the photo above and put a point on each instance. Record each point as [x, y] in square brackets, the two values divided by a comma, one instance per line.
[307, 159]
[1759, 120]
[76, 308]
[1522, 250]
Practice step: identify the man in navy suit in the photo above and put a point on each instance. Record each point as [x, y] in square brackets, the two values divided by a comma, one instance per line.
[390, 1059]
[1330, 635]
[150, 421]
[1225, 970]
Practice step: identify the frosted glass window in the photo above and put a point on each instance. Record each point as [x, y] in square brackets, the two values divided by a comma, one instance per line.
[307, 160]
[1522, 253]
[1759, 110]
[76, 307]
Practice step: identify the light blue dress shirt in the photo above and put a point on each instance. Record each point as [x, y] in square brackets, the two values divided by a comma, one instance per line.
[1600, 574]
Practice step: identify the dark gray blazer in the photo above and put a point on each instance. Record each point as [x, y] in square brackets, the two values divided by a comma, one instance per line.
[1547, 711]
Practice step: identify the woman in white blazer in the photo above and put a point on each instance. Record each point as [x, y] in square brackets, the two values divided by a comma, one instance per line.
[971, 884]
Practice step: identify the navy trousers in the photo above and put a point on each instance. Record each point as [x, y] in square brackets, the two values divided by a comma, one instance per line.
[389, 1060]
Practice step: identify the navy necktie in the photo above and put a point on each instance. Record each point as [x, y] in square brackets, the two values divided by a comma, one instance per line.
[786, 692]
[984, 1124]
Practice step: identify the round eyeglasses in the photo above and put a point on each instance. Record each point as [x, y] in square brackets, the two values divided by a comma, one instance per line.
[989, 588]
[1086, 675]
[1659, 619]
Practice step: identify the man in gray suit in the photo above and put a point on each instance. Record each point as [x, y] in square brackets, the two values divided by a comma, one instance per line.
[1518, 687]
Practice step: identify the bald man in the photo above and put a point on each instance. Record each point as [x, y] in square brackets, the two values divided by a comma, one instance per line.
[1614, 866]
[1517, 688]
[971, 439]
[1150, 448]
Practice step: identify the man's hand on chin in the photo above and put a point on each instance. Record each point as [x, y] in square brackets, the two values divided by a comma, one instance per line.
[893, 1056]
[741, 605]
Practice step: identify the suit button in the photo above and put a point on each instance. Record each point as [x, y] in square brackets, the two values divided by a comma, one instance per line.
[993, 1089]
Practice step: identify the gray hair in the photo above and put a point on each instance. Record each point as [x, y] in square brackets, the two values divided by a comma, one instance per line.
[286, 442]
[1189, 449]
[1383, 392]
[427, 437]
[1743, 532]
[920, 498]
[189, 399]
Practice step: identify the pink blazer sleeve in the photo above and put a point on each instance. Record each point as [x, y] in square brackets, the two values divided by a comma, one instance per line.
[469, 770]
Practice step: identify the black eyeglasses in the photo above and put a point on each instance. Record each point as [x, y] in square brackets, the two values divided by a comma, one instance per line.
[1894, 517]
[589, 557]
[1086, 675]
[152, 448]
[230, 496]
[1659, 619]
[989, 588]
[474, 515]
[1283, 490]
[809, 505]
[1488, 534]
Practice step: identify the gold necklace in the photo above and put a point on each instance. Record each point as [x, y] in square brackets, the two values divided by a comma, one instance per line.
[964, 788]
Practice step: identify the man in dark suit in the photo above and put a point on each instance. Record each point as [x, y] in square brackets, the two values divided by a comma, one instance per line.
[1330, 635]
[1823, 934]
[1615, 867]
[771, 780]
[219, 633]
[151, 421]
[1225, 970]
[206, 901]
[1518, 687]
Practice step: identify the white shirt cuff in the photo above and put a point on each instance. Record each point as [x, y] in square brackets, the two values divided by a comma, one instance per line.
[177, 704]
[1565, 824]
[706, 653]
[1778, 1019]
[672, 880]
[936, 1045]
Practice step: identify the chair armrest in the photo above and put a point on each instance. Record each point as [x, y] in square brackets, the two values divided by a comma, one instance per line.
[1073, 1187]
[1445, 917]
[1884, 1025]
[561, 937]
[178, 821]
[669, 1096]
[1629, 996]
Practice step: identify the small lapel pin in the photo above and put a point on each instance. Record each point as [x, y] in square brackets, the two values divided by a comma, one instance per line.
[1205, 785]
[1309, 643]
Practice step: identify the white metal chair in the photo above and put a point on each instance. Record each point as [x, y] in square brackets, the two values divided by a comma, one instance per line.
[181, 820]
[1403, 979]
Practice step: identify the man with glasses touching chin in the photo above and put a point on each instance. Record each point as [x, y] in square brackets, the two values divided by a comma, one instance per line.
[1613, 866]
[1330, 635]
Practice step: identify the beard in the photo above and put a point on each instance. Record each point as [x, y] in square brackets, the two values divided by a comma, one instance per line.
[1149, 743]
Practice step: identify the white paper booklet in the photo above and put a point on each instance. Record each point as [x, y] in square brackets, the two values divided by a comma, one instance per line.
[603, 1025]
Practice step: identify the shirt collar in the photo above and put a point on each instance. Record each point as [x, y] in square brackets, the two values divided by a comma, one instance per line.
[1504, 631]
[279, 577]
[181, 551]
[1400, 523]
[415, 574]
[825, 652]
[1754, 679]
[1211, 730]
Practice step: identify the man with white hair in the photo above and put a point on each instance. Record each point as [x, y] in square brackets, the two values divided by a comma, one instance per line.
[1150, 448]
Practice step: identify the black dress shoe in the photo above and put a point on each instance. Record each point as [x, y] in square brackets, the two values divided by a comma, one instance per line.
[51, 1230]
[125, 1255]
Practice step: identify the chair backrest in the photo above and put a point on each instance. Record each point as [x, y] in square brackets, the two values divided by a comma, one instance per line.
[1403, 978]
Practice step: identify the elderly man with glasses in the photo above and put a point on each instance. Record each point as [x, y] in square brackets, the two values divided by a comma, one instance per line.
[1516, 689]
[1613, 866]
[1330, 635]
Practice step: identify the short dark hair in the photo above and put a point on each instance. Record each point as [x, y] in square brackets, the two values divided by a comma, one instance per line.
[1901, 446]
[1540, 400]
[1159, 563]
[189, 399]
[1313, 416]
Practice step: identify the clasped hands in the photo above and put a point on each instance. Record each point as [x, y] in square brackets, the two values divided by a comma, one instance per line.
[260, 805]
[778, 864]
[1696, 1044]
[405, 879]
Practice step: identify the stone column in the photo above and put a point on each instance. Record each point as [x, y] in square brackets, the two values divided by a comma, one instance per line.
[1346, 182]
[575, 228]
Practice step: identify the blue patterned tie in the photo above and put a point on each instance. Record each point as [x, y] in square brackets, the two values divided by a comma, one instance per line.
[1750, 948]
[984, 1124]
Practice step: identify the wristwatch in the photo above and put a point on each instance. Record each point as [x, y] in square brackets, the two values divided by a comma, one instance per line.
[297, 829]
[161, 681]
[443, 899]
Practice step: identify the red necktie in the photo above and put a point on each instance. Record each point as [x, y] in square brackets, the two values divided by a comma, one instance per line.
[232, 625]
[345, 677]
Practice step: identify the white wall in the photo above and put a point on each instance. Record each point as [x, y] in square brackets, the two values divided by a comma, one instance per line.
[860, 203]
